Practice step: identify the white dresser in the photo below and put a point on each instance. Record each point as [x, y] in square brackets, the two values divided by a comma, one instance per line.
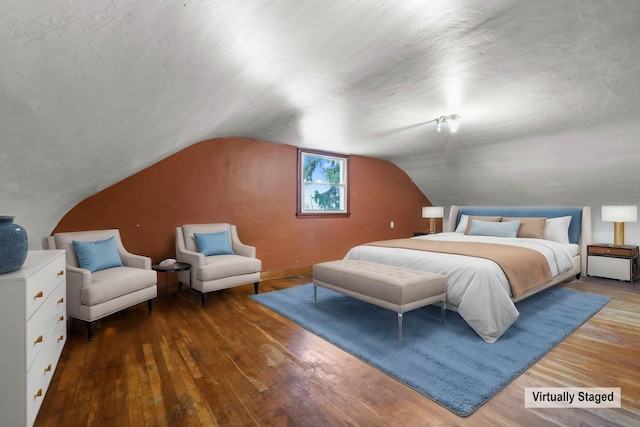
[33, 330]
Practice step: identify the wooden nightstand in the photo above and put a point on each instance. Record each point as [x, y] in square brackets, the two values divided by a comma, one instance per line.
[613, 261]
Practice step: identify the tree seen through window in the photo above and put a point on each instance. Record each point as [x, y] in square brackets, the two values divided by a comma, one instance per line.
[323, 183]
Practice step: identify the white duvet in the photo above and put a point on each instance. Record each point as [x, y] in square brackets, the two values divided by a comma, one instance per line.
[476, 286]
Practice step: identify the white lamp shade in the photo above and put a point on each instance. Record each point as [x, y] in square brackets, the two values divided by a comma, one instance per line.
[620, 213]
[432, 212]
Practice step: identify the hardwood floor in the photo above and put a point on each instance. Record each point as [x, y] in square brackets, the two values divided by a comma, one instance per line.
[236, 363]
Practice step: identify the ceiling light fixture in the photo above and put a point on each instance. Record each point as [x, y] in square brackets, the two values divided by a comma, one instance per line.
[451, 121]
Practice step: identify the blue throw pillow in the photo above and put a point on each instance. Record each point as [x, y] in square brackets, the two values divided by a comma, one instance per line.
[497, 229]
[97, 255]
[213, 243]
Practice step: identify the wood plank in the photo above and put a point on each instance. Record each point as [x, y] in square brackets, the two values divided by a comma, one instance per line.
[285, 272]
[235, 362]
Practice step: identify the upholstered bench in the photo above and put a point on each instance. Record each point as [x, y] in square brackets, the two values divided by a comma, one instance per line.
[394, 288]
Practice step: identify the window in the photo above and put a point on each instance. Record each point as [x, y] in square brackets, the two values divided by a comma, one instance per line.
[322, 184]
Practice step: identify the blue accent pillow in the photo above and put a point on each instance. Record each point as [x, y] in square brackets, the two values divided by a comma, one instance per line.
[497, 229]
[213, 243]
[98, 255]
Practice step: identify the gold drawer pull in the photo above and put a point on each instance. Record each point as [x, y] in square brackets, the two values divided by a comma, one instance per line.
[61, 273]
[61, 300]
[61, 318]
[38, 394]
[38, 295]
[47, 369]
[38, 340]
[61, 338]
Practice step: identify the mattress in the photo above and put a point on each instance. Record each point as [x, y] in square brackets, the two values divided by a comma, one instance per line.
[477, 287]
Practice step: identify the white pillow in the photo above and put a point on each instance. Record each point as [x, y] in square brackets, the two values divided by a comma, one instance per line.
[462, 225]
[557, 229]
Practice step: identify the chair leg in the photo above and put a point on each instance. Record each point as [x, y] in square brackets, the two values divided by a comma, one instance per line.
[91, 327]
[204, 298]
[150, 304]
[256, 287]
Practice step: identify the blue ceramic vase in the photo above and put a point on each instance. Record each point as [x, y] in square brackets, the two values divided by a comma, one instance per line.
[13, 245]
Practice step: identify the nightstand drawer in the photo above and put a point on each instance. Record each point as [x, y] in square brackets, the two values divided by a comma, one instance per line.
[613, 251]
[610, 267]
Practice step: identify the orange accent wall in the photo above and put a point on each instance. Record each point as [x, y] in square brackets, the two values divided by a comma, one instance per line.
[251, 184]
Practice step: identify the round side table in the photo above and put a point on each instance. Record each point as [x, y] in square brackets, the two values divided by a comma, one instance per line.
[172, 268]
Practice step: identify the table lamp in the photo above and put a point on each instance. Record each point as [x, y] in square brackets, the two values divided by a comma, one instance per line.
[619, 215]
[432, 212]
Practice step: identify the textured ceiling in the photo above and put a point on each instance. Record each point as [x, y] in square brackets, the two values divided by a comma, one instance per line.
[549, 91]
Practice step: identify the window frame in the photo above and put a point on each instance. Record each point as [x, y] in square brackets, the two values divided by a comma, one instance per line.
[303, 213]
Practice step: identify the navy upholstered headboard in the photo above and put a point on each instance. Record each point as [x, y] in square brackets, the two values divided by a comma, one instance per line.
[534, 211]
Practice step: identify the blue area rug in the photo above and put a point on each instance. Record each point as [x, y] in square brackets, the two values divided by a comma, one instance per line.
[449, 363]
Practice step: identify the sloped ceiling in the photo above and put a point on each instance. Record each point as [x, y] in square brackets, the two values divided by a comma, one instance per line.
[549, 92]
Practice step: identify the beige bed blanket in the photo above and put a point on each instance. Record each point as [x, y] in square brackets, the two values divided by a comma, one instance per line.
[525, 268]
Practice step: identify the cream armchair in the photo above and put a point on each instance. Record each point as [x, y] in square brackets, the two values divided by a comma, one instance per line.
[212, 272]
[94, 295]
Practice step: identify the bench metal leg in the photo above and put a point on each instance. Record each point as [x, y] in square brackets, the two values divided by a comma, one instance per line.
[443, 312]
[315, 292]
[399, 326]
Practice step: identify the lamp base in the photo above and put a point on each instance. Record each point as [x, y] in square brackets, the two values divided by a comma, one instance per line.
[618, 233]
[432, 225]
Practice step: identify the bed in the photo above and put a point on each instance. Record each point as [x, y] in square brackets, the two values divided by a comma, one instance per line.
[479, 288]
